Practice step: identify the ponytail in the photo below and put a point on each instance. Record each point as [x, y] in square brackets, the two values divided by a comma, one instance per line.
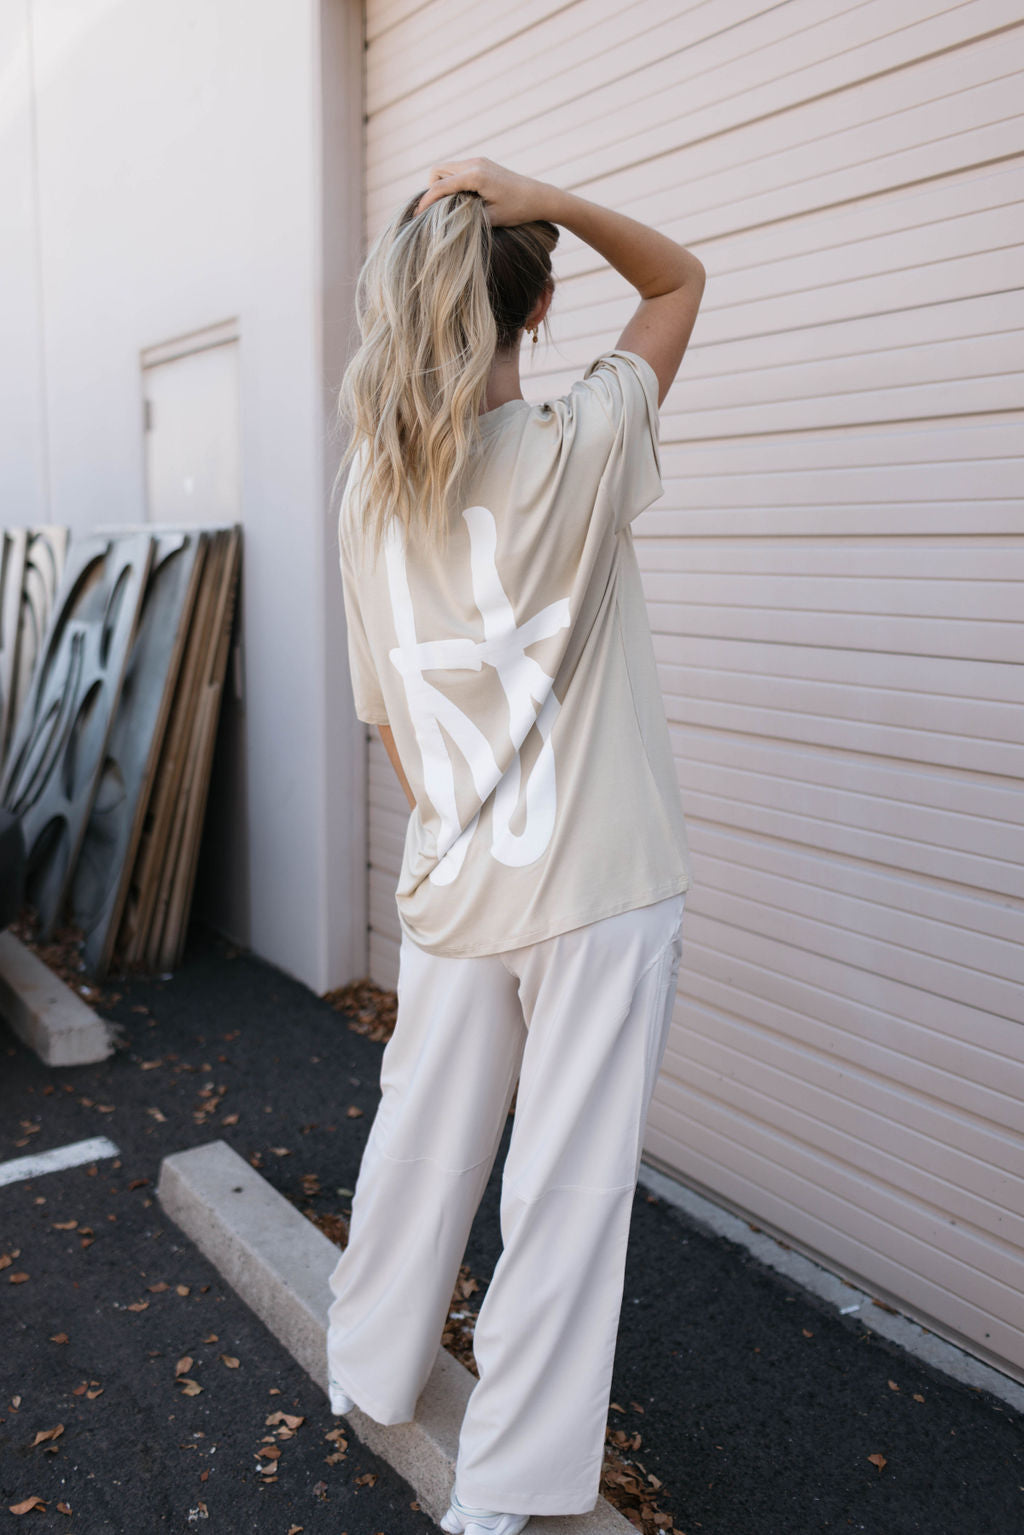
[438, 293]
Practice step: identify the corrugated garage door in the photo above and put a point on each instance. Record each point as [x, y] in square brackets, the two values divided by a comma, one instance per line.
[834, 578]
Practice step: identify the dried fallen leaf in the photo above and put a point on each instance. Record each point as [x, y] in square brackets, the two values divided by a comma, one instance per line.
[184, 1365]
[283, 1417]
[806, 1332]
[372, 1010]
[230, 1361]
[5, 1260]
[354, 1112]
[190, 1387]
[59, 1337]
[280, 1151]
[29, 1503]
[181, 1289]
[212, 1338]
[63, 1508]
[296, 1529]
[18, 1278]
[137, 1305]
[158, 1288]
[918, 1397]
[48, 1433]
[92, 1395]
[878, 1460]
[160, 1118]
[892, 1385]
[64, 1225]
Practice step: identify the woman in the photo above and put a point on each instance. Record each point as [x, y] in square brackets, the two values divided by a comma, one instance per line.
[498, 639]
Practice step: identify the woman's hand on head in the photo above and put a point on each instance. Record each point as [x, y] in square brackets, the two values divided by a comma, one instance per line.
[509, 198]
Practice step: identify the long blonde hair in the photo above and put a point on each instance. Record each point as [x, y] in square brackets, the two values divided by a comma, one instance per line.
[437, 295]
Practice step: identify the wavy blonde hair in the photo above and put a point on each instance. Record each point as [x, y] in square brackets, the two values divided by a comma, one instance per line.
[437, 295]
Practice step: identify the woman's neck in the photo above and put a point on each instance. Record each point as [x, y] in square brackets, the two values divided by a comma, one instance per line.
[503, 382]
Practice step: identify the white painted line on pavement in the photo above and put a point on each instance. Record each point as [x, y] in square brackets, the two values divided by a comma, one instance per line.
[60, 1157]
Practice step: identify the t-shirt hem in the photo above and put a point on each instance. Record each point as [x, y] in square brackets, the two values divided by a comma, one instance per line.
[678, 886]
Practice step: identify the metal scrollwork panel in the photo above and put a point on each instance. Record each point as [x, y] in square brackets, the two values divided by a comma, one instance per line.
[57, 752]
[31, 563]
[106, 859]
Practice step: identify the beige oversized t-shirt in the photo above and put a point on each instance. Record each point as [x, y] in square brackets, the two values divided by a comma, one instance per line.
[517, 673]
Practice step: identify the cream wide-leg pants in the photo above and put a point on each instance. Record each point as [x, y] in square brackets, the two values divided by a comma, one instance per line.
[581, 1019]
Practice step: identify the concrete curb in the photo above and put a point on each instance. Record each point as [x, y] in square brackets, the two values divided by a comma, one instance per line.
[279, 1264]
[45, 1013]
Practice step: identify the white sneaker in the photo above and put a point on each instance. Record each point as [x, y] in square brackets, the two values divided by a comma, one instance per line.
[340, 1402]
[463, 1520]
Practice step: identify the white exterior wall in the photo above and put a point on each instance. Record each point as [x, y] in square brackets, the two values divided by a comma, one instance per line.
[163, 168]
[834, 580]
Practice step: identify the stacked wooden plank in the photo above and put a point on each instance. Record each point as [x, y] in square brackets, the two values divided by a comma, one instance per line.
[109, 761]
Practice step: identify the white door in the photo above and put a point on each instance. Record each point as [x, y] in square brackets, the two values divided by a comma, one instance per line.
[192, 437]
[193, 477]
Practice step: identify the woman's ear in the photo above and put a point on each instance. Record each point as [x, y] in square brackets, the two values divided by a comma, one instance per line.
[539, 311]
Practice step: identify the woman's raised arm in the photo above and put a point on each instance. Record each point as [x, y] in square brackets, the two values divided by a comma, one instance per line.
[668, 277]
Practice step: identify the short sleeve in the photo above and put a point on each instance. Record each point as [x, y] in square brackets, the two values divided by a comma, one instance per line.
[366, 690]
[624, 388]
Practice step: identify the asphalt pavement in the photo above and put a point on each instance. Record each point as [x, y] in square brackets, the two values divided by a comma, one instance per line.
[747, 1405]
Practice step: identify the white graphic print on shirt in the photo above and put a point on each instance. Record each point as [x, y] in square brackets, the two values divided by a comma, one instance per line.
[527, 688]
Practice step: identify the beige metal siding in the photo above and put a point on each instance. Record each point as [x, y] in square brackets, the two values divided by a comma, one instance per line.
[835, 579]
